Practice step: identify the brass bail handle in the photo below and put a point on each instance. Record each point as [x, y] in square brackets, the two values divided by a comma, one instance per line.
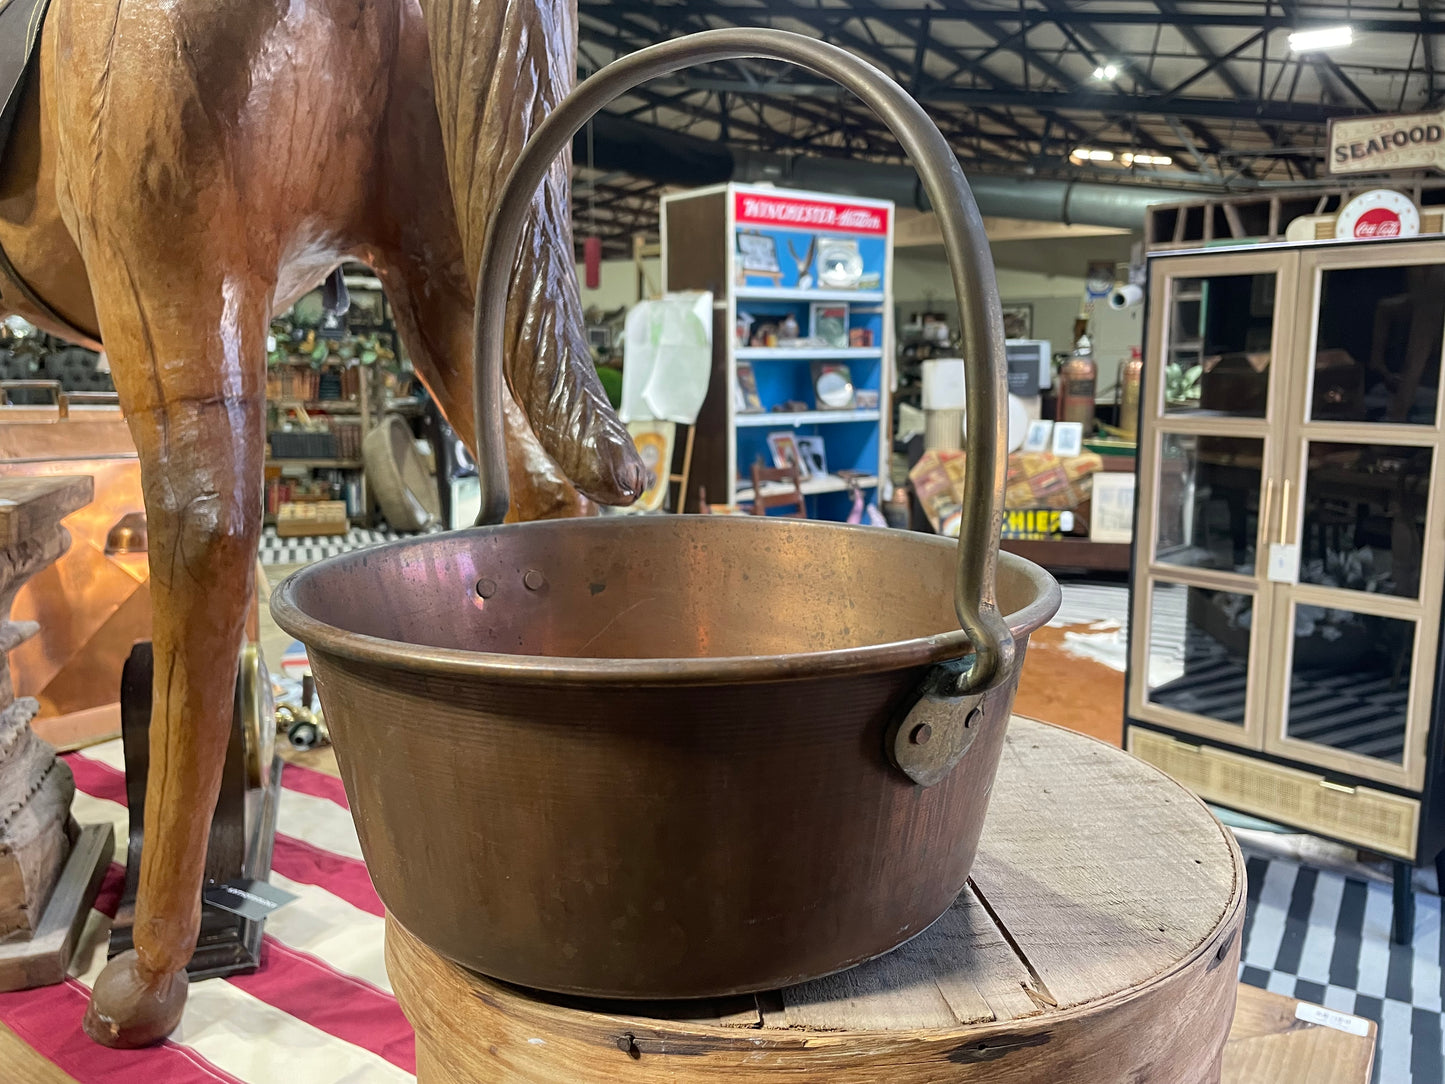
[964, 241]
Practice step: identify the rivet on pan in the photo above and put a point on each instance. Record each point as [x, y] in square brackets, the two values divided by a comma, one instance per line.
[486, 588]
[534, 580]
[921, 733]
[973, 718]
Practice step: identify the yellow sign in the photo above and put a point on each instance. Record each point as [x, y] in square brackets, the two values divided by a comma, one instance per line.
[1379, 144]
[1038, 523]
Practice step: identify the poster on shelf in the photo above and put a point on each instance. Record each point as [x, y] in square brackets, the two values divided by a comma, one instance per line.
[814, 456]
[654, 442]
[1111, 507]
[829, 323]
[784, 446]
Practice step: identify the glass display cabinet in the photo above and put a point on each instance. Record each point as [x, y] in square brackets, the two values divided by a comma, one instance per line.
[1290, 553]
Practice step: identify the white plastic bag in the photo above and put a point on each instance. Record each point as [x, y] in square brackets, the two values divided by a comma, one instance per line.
[668, 359]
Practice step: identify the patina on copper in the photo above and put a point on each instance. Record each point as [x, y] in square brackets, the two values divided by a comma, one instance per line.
[680, 756]
[664, 773]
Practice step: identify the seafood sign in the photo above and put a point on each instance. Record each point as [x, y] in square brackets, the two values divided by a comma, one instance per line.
[1376, 144]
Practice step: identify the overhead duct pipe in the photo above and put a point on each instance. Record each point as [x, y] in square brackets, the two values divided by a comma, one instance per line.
[643, 150]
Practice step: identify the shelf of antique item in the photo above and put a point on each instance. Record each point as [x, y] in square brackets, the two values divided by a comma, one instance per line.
[763, 293]
[808, 353]
[1370, 818]
[829, 483]
[1072, 553]
[301, 461]
[808, 417]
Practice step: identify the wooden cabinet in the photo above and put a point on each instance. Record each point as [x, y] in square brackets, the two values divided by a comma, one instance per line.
[1290, 543]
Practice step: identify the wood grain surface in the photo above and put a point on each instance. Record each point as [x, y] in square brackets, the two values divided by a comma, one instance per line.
[1099, 939]
[1270, 1045]
[29, 506]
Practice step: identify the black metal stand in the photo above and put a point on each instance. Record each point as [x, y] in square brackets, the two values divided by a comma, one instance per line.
[243, 831]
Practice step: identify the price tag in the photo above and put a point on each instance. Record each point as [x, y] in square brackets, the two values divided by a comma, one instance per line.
[1283, 562]
[251, 899]
[1329, 1018]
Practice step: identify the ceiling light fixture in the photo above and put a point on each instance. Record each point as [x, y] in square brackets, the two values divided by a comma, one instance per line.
[1088, 154]
[1145, 159]
[1106, 72]
[1313, 41]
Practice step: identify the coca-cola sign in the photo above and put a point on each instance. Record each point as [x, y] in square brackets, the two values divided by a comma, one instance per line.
[790, 212]
[1381, 214]
[1378, 223]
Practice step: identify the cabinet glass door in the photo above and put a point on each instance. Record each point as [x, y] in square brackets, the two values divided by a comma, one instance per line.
[1207, 447]
[1353, 690]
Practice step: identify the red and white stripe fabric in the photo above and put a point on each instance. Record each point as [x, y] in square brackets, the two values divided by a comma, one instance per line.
[318, 1011]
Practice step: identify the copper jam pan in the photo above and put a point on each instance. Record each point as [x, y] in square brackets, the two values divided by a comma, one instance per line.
[677, 756]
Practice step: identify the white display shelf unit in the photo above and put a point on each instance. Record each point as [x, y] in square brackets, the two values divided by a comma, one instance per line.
[806, 417]
[806, 353]
[765, 293]
[811, 487]
[700, 252]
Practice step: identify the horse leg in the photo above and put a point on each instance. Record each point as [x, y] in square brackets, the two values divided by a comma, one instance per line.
[187, 363]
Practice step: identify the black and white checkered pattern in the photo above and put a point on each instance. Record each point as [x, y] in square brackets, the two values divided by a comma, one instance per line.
[1325, 938]
[308, 548]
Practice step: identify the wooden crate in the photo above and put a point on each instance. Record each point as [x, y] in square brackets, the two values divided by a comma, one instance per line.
[1264, 218]
[297, 518]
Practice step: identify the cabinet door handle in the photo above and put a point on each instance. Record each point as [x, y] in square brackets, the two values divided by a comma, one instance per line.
[1266, 508]
[1284, 513]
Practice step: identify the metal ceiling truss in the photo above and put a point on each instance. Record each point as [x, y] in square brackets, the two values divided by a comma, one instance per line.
[1212, 87]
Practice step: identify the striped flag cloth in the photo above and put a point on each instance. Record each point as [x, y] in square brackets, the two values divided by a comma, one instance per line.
[318, 1010]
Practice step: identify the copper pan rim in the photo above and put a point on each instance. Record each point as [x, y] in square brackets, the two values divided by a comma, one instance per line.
[508, 668]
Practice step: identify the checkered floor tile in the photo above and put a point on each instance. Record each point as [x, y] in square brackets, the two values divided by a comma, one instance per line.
[1325, 938]
[302, 550]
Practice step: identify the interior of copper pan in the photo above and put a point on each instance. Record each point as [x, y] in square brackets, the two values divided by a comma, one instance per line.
[663, 587]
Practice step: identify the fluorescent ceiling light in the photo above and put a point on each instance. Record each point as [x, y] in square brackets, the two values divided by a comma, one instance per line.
[1088, 154]
[1106, 72]
[1312, 41]
[1145, 159]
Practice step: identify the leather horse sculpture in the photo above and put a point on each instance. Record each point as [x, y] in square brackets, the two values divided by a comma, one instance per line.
[179, 172]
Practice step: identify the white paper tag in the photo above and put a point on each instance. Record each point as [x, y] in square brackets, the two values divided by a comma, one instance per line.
[1283, 562]
[1340, 1021]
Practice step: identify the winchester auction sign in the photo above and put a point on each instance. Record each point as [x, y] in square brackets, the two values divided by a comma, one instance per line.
[759, 209]
[1380, 144]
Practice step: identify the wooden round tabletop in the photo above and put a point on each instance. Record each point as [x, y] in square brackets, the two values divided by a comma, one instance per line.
[1097, 942]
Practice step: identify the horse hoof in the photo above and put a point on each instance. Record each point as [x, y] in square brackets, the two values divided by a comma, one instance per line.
[131, 1007]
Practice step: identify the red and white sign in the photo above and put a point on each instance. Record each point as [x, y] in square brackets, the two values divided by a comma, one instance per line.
[1379, 215]
[790, 212]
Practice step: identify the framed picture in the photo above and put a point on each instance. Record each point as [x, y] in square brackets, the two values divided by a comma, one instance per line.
[813, 455]
[784, 446]
[1068, 439]
[840, 263]
[757, 254]
[1018, 320]
[829, 323]
[745, 398]
[1111, 507]
[833, 385]
[1036, 440]
[654, 441]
